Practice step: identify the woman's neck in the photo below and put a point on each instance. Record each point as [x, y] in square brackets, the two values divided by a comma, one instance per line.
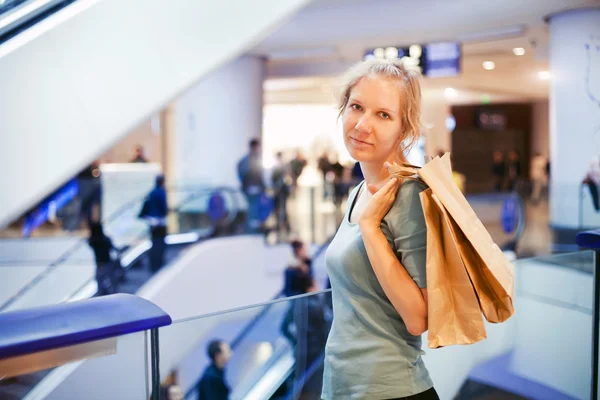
[375, 173]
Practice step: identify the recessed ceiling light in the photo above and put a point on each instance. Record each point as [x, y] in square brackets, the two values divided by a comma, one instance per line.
[489, 65]
[518, 51]
[415, 51]
[450, 93]
[379, 53]
[391, 53]
[544, 75]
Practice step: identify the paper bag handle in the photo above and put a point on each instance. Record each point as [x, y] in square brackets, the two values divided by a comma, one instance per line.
[405, 171]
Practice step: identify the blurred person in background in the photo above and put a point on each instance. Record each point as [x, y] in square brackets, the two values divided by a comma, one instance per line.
[105, 261]
[301, 253]
[340, 188]
[592, 180]
[539, 177]
[281, 190]
[139, 156]
[89, 196]
[498, 170]
[154, 211]
[299, 266]
[298, 271]
[324, 166]
[513, 170]
[250, 173]
[297, 165]
[376, 261]
[212, 385]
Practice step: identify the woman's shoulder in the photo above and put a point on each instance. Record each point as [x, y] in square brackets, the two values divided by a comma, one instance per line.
[407, 205]
[409, 189]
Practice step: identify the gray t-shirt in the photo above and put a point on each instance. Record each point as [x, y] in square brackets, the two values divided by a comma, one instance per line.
[370, 354]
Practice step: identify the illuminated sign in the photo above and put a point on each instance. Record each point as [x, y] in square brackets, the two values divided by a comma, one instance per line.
[433, 60]
[49, 206]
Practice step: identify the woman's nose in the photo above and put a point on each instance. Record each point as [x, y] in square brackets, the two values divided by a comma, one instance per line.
[364, 124]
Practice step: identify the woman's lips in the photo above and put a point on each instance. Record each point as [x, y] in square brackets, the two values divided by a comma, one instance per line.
[360, 142]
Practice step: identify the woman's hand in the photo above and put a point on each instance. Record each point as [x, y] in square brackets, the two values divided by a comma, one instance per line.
[379, 205]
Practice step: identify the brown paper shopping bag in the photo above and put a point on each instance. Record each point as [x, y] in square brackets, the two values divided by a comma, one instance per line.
[454, 314]
[494, 302]
[487, 261]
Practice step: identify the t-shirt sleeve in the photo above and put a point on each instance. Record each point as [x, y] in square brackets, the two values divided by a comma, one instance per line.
[405, 229]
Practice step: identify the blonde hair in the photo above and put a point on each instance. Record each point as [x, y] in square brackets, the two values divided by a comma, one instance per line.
[410, 104]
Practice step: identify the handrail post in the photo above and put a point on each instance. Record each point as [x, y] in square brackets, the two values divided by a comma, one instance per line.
[580, 195]
[155, 365]
[595, 327]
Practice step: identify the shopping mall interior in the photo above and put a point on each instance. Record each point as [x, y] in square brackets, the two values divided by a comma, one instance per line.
[179, 177]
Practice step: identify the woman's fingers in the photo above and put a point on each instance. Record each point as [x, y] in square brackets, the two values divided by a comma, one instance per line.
[391, 185]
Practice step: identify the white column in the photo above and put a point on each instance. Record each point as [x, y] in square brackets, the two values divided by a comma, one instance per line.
[214, 121]
[434, 113]
[574, 111]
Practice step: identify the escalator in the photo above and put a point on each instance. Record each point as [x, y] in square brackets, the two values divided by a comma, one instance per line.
[107, 66]
[265, 364]
[71, 277]
[135, 273]
[189, 224]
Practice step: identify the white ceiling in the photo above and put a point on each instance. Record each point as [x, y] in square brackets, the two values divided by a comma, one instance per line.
[329, 35]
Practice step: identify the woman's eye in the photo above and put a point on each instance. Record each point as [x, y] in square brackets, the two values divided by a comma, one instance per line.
[384, 115]
[356, 107]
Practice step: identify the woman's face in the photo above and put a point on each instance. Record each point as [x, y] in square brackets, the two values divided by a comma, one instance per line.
[372, 121]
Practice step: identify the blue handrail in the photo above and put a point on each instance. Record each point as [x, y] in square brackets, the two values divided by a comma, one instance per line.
[589, 239]
[45, 328]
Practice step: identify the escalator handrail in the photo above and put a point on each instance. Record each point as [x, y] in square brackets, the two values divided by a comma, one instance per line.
[43, 328]
[246, 330]
[83, 242]
[310, 371]
[16, 19]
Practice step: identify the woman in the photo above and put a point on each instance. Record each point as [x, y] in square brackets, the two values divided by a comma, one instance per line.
[376, 262]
